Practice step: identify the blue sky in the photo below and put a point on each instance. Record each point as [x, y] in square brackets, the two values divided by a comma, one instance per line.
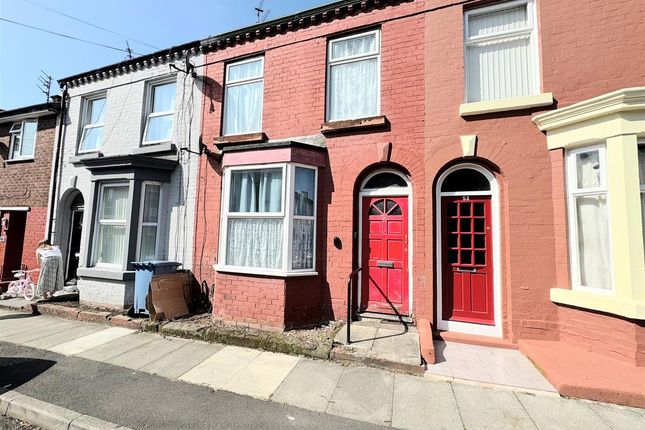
[160, 23]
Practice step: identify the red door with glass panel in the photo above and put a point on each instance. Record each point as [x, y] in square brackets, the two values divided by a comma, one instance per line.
[385, 255]
[467, 260]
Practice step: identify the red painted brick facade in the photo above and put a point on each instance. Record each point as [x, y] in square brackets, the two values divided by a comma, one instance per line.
[26, 184]
[587, 49]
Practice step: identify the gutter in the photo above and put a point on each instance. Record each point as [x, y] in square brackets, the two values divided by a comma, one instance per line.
[59, 150]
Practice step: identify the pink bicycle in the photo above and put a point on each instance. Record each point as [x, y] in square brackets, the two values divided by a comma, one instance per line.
[23, 285]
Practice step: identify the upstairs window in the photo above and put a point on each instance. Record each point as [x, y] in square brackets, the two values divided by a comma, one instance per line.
[269, 220]
[589, 219]
[92, 135]
[243, 97]
[161, 113]
[501, 52]
[354, 74]
[23, 140]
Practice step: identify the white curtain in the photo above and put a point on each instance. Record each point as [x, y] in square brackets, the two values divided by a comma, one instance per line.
[641, 167]
[302, 253]
[254, 242]
[354, 90]
[243, 112]
[28, 138]
[593, 241]
[164, 97]
[112, 238]
[588, 169]
[501, 67]
[256, 190]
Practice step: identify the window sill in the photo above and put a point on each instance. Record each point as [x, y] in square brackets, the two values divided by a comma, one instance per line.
[105, 273]
[515, 103]
[262, 272]
[373, 122]
[599, 302]
[87, 155]
[240, 138]
[155, 148]
[20, 160]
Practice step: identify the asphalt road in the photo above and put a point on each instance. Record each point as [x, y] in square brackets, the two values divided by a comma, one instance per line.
[143, 401]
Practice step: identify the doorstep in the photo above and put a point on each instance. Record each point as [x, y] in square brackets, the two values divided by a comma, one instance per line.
[382, 344]
[583, 374]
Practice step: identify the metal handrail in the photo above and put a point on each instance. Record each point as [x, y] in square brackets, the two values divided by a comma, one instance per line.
[350, 284]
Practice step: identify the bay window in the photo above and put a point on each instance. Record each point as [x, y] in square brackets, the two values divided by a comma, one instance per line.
[641, 171]
[353, 70]
[243, 95]
[93, 114]
[23, 139]
[161, 113]
[501, 56]
[149, 221]
[590, 245]
[268, 219]
[111, 222]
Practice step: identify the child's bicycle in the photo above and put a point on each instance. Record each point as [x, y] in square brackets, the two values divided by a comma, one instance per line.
[23, 285]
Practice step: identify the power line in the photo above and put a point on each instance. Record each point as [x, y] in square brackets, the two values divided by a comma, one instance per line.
[67, 36]
[90, 24]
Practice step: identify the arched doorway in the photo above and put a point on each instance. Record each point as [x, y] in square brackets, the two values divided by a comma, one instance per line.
[73, 230]
[385, 238]
[468, 281]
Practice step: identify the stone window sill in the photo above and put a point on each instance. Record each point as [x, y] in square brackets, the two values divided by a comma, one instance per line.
[515, 103]
[373, 122]
[262, 272]
[599, 302]
[240, 138]
[104, 273]
[20, 160]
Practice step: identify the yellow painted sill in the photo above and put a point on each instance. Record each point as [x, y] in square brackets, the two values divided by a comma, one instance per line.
[599, 302]
[515, 103]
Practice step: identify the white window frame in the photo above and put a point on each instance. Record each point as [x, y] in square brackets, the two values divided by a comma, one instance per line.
[149, 224]
[99, 222]
[20, 132]
[572, 227]
[286, 214]
[150, 114]
[351, 59]
[641, 144]
[88, 125]
[228, 83]
[531, 31]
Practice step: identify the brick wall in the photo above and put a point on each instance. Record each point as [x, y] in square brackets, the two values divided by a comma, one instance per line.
[27, 183]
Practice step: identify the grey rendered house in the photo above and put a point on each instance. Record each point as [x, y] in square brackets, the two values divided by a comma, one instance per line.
[128, 171]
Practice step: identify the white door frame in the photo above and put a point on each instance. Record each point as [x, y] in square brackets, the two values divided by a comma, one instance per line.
[463, 327]
[386, 192]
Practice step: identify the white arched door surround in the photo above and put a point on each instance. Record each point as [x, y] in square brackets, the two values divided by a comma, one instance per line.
[387, 187]
[471, 196]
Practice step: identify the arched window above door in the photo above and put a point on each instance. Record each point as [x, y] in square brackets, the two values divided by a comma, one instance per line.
[465, 179]
[385, 180]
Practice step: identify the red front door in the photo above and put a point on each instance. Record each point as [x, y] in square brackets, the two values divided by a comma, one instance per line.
[467, 260]
[385, 255]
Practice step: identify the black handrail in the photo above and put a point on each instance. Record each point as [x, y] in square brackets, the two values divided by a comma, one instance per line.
[350, 283]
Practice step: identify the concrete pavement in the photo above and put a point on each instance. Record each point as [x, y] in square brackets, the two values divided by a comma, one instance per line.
[358, 393]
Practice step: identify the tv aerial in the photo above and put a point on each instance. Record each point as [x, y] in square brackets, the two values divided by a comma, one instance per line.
[261, 13]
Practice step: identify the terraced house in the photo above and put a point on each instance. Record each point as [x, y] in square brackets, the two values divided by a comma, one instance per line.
[480, 162]
[126, 186]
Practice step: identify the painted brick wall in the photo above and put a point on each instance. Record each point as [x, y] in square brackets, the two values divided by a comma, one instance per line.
[28, 183]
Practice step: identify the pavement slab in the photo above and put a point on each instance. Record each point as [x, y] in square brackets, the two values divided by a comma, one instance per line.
[218, 369]
[576, 413]
[33, 332]
[619, 417]
[263, 375]
[117, 347]
[483, 409]
[421, 404]
[147, 353]
[310, 385]
[74, 332]
[91, 341]
[181, 360]
[364, 394]
[400, 342]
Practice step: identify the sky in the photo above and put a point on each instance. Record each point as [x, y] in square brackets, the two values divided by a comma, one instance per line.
[24, 52]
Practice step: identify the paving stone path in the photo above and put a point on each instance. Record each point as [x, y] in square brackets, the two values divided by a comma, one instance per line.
[364, 394]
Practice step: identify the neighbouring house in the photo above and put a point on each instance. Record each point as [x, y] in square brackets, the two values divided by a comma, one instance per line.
[27, 141]
[128, 171]
[482, 163]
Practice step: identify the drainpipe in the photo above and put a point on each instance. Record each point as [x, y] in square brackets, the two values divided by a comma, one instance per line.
[59, 148]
